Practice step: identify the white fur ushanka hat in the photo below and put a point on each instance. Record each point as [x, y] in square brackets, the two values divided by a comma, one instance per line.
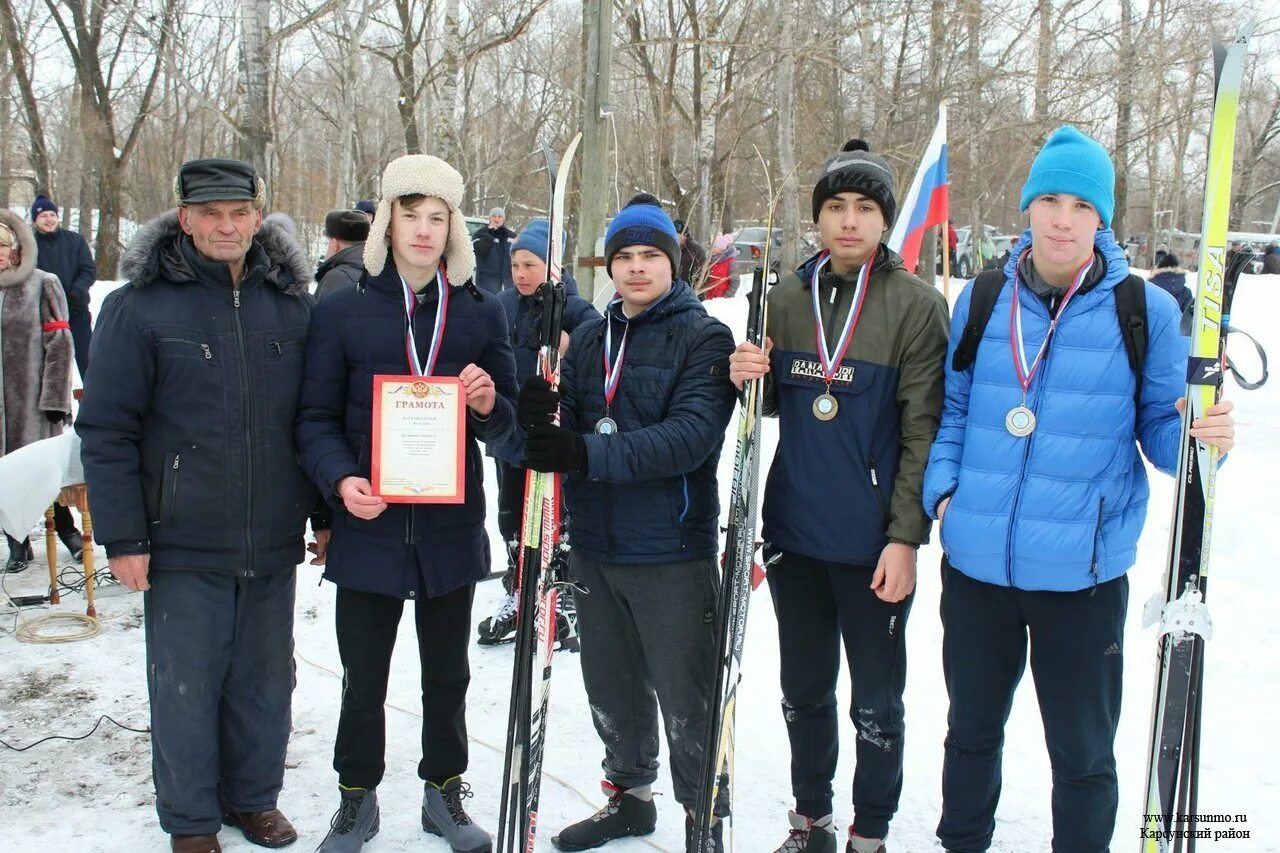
[422, 174]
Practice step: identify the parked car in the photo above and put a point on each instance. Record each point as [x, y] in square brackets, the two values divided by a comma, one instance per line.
[475, 223]
[966, 265]
[750, 244]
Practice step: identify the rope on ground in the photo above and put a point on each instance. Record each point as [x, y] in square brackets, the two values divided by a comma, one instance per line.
[33, 630]
[478, 742]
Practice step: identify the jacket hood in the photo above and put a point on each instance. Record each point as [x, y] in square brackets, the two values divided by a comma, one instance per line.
[1104, 243]
[26, 245]
[153, 252]
[886, 259]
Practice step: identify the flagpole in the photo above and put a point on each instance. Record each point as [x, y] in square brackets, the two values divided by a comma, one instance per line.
[945, 239]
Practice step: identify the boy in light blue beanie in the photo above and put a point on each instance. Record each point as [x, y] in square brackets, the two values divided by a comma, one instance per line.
[1037, 482]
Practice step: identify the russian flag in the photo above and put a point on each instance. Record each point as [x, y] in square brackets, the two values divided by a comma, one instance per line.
[927, 203]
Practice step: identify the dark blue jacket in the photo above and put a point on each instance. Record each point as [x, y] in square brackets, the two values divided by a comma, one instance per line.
[1174, 282]
[356, 333]
[650, 493]
[493, 258]
[523, 320]
[65, 254]
[186, 426]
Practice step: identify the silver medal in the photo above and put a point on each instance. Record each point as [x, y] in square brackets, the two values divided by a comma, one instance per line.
[1020, 421]
[606, 426]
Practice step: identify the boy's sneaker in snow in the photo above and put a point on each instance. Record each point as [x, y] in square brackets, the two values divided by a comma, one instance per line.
[629, 812]
[356, 821]
[715, 839]
[809, 836]
[858, 844]
[501, 626]
[443, 815]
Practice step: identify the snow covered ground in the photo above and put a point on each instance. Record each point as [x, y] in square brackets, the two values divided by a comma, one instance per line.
[96, 794]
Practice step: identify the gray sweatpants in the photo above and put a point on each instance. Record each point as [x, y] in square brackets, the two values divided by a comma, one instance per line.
[648, 644]
[220, 675]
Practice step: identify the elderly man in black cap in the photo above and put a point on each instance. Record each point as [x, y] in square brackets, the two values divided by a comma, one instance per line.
[344, 259]
[198, 352]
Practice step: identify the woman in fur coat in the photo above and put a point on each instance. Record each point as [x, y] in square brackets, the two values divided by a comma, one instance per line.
[36, 355]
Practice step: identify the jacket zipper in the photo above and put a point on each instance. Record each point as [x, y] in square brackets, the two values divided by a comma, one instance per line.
[204, 348]
[1033, 403]
[1097, 535]
[171, 492]
[875, 487]
[247, 422]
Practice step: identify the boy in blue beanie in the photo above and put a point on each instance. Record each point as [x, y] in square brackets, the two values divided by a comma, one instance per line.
[643, 403]
[1036, 479]
[524, 315]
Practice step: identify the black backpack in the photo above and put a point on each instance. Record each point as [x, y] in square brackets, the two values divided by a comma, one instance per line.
[1131, 311]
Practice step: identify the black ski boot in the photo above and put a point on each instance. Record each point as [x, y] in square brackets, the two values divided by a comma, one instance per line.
[630, 812]
[501, 626]
[809, 836]
[858, 844]
[567, 638]
[20, 556]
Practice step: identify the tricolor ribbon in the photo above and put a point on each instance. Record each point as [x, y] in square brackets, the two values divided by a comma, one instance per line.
[1027, 373]
[437, 334]
[613, 370]
[830, 365]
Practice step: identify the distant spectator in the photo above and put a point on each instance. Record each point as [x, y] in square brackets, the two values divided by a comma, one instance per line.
[1167, 276]
[493, 253]
[65, 254]
[367, 208]
[347, 231]
[1271, 260]
[35, 372]
[720, 276]
[693, 258]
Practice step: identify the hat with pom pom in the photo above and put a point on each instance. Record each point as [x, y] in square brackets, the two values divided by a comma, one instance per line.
[855, 169]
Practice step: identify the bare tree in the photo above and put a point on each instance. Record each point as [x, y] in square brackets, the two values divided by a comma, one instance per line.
[43, 174]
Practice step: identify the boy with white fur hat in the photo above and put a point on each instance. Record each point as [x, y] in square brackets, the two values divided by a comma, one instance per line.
[414, 310]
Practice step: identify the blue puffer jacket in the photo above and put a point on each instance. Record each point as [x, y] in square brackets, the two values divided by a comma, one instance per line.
[355, 334]
[522, 323]
[1063, 508]
[650, 493]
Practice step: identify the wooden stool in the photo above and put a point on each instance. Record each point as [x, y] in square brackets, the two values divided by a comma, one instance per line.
[71, 496]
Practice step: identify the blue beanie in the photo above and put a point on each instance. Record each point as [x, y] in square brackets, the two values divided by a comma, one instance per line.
[534, 239]
[1071, 162]
[40, 205]
[642, 222]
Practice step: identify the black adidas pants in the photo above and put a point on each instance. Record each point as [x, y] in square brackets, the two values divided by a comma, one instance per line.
[1076, 641]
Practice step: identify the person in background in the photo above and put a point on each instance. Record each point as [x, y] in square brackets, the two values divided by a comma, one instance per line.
[492, 245]
[35, 371]
[367, 207]
[720, 272]
[65, 254]
[693, 258]
[1169, 277]
[344, 256]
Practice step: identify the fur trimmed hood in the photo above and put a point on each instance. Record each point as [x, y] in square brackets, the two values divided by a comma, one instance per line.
[154, 252]
[430, 176]
[26, 245]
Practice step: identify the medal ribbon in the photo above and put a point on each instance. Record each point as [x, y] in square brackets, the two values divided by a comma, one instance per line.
[830, 365]
[613, 371]
[437, 334]
[1027, 373]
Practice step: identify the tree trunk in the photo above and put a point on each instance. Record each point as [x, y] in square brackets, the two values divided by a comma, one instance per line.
[594, 180]
[789, 209]
[43, 173]
[254, 144]
[352, 23]
[1044, 66]
[445, 119]
[6, 163]
[1124, 118]
[976, 112]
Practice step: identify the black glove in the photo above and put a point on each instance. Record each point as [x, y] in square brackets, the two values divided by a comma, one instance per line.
[554, 448]
[55, 417]
[77, 302]
[538, 403]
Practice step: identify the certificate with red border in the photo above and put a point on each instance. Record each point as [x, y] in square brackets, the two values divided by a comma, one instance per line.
[418, 439]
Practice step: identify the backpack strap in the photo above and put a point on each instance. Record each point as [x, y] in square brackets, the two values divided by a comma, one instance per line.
[982, 301]
[1131, 311]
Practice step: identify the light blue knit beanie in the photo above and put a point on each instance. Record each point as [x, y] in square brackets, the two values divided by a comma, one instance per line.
[1071, 162]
